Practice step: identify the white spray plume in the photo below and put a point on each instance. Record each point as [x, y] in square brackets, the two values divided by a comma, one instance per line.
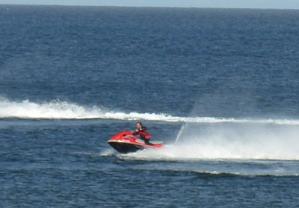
[231, 141]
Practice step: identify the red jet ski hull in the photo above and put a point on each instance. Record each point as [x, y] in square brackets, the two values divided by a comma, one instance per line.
[126, 142]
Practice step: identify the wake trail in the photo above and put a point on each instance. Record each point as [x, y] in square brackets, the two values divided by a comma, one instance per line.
[57, 109]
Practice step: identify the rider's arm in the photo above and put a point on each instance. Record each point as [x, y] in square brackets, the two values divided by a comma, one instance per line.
[145, 134]
[136, 132]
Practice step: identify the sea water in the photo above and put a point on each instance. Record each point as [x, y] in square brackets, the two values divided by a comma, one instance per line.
[218, 86]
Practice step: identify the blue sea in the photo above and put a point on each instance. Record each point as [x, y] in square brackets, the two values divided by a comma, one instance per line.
[220, 87]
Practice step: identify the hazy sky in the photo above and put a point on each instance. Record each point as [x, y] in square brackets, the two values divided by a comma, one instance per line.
[277, 4]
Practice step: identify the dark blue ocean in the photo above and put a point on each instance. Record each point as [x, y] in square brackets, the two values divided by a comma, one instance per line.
[220, 87]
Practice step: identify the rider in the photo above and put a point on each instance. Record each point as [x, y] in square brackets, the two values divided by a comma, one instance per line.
[141, 131]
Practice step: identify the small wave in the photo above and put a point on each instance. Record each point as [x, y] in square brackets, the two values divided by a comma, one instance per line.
[57, 109]
[212, 167]
[213, 173]
[107, 153]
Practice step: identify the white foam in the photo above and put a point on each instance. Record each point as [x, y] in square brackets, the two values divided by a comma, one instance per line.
[57, 109]
[107, 152]
[229, 142]
[218, 160]
[219, 151]
[256, 142]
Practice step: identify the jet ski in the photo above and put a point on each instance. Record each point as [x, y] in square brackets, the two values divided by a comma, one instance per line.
[126, 142]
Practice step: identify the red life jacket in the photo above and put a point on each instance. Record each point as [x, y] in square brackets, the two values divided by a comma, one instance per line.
[142, 133]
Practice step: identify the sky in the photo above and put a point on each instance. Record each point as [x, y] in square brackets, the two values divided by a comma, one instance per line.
[262, 4]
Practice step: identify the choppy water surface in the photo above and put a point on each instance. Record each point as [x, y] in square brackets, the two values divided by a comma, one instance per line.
[219, 87]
